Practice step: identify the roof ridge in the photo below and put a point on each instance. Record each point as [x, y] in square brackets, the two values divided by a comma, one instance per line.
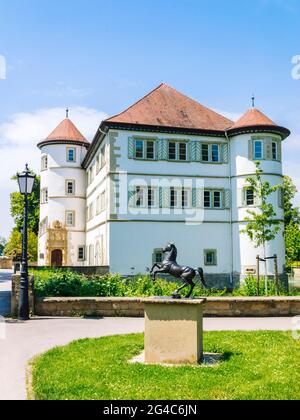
[138, 101]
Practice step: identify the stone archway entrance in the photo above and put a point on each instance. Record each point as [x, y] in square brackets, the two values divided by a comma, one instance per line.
[56, 258]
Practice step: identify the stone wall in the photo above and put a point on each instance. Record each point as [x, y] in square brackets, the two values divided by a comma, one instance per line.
[125, 307]
[15, 288]
[6, 263]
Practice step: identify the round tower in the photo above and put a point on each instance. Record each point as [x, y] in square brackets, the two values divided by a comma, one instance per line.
[255, 138]
[63, 197]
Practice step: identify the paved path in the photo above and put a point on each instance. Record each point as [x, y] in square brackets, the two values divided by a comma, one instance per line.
[25, 340]
[5, 289]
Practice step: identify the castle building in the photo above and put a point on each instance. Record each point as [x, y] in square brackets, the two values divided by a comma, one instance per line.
[166, 169]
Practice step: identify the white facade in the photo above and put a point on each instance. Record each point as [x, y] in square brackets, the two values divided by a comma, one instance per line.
[198, 204]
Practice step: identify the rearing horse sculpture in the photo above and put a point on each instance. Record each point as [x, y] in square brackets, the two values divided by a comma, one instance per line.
[170, 266]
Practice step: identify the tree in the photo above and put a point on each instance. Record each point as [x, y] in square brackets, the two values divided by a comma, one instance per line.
[17, 208]
[2, 245]
[292, 222]
[292, 242]
[291, 213]
[262, 226]
[13, 248]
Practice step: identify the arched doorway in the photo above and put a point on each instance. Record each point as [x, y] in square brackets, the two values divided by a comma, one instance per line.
[56, 258]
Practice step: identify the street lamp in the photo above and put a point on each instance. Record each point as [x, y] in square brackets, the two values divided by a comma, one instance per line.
[26, 182]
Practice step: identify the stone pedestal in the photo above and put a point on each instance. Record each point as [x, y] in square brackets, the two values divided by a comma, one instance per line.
[173, 331]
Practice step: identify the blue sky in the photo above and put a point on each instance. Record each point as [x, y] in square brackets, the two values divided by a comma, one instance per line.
[97, 57]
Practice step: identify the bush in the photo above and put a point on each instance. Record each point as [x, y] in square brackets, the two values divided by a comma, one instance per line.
[59, 283]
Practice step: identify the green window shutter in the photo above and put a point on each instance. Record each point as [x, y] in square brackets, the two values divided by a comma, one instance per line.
[162, 150]
[131, 196]
[160, 192]
[193, 151]
[250, 148]
[227, 199]
[280, 198]
[225, 153]
[200, 198]
[131, 148]
[198, 151]
[166, 198]
[194, 197]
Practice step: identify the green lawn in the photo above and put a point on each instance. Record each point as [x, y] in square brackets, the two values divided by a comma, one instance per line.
[257, 365]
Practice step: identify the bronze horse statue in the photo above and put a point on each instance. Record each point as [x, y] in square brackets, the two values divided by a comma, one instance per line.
[170, 266]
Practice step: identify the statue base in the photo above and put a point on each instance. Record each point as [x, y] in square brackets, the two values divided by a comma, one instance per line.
[173, 331]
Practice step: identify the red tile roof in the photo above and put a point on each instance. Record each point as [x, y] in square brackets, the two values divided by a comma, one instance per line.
[253, 118]
[166, 107]
[66, 131]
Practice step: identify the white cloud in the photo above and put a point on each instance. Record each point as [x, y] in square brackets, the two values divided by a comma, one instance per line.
[18, 139]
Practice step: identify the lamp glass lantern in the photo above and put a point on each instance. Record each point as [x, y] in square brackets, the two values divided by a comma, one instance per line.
[26, 182]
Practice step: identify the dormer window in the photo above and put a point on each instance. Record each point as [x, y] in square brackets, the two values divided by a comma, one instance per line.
[71, 154]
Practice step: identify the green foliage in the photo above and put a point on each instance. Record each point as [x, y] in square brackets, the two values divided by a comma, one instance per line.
[260, 365]
[59, 283]
[292, 242]
[291, 213]
[2, 245]
[17, 208]
[249, 288]
[13, 248]
[262, 227]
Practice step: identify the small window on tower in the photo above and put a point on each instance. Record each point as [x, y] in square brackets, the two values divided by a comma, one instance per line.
[70, 187]
[44, 163]
[274, 150]
[70, 218]
[71, 154]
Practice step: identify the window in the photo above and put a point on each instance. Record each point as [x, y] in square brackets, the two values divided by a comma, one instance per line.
[44, 196]
[249, 193]
[211, 153]
[103, 201]
[258, 150]
[177, 151]
[173, 198]
[103, 158]
[44, 163]
[217, 199]
[210, 257]
[70, 218]
[207, 199]
[213, 199]
[172, 151]
[274, 150]
[70, 187]
[81, 253]
[158, 256]
[139, 197]
[145, 149]
[71, 154]
[205, 153]
[185, 199]
[151, 197]
[98, 164]
[215, 153]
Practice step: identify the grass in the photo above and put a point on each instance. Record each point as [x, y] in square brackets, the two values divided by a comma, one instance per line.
[257, 366]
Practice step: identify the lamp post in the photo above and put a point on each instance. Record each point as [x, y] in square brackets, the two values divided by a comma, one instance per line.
[26, 182]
